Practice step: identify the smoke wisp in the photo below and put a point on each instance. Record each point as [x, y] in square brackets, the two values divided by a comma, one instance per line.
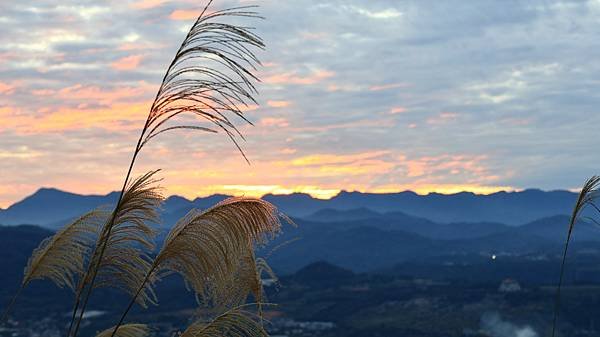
[493, 325]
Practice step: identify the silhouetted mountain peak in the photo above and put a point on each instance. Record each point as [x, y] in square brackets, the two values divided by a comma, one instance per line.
[321, 271]
[293, 196]
[42, 190]
[175, 202]
[50, 205]
[51, 192]
[45, 192]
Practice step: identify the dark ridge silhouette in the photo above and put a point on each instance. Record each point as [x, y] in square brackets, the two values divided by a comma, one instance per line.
[52, 207]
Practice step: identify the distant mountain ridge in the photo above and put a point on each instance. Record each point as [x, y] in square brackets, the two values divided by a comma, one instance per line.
[384, 240]
[49, 207]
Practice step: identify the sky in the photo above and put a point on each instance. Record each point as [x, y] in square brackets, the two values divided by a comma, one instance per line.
[377, 96]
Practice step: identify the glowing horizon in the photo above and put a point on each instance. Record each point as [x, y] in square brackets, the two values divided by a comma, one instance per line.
[314, 192]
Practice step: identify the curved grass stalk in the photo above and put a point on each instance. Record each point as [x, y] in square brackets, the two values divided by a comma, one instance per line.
[206, 92]
[128, 330]
[206, 247]
[92, 270]
[588, 194]
[122, 262]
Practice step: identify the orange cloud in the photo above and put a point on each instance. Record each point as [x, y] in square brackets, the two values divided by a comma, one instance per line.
[279, 104]
[6, 89]
[424, 188]
[367, 163]
[293, 78]
[114, 118]
[261, 190]
[277, 122]
[321, 175]
[184, 14]
[127, 63]
[324, 159]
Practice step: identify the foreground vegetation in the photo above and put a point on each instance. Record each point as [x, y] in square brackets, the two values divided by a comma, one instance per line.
[210, 79]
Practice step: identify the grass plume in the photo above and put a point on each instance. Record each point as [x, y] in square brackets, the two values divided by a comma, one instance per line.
[211, 91]
[206, 87]
[205, 247]
[233, 323]
[587, 197]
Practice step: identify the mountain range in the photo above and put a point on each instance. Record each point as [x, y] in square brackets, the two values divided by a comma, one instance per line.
[363, 231]
[51, 207]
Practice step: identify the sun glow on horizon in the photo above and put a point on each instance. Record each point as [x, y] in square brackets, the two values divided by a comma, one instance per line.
[316, 192]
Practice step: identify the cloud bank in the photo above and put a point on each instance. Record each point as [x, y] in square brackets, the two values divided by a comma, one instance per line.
[367, 95]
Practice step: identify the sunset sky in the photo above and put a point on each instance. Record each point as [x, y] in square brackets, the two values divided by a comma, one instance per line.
[378, 96]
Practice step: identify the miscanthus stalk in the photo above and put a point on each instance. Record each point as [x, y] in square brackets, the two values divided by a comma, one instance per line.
[587, 198]
[211, 79]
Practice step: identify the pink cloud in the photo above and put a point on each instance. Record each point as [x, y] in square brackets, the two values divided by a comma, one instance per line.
[343, 165]
[6, 89]
[277, 122]
[6, 56]
[127, 63]
[293, 78]
[288, 150]
[147, 4]
[97, 94]
[388, 86]
[397, 110]
[439, 167]
[43, 92]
